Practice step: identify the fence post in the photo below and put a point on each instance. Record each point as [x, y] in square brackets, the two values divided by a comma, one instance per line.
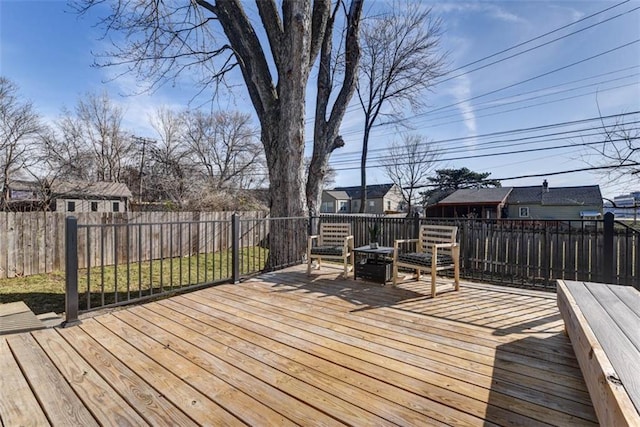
[416, 226]
[235, 247]
[71, 272]
[607, 247]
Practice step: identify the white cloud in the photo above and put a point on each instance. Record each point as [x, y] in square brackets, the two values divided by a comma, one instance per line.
[489, 9]
[461, 92]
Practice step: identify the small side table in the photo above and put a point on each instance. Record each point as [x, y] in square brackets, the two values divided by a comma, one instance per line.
[371, 266]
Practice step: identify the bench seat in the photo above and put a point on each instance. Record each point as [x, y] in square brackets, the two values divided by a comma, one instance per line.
[603, 323]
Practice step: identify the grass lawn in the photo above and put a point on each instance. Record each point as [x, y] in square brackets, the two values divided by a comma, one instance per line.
[44, 293]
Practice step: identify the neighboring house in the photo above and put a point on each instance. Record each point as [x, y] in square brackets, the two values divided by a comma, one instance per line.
[472, 203]
[381, 198]
[626, 206]
[544, 202]
[334, 201]
[534, 202]
[67, 196]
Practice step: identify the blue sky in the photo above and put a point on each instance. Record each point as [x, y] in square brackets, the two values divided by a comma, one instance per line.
[47, 50]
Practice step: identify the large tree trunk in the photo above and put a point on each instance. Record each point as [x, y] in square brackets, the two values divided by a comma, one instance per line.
[293, 41]
[326, 136]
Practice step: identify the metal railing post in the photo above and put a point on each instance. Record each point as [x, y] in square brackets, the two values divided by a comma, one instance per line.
[71, 272]
[607, 248]
[235, 248]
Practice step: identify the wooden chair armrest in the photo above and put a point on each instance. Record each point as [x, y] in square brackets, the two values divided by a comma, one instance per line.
[406, 241]
[348, 242]
[444, 245]
[311, 238]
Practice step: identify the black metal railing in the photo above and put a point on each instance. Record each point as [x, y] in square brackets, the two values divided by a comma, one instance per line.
[528, 253]
[108, 265]
[114, 264]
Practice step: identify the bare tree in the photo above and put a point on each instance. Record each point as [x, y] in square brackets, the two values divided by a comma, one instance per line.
[169, 171]
[89, 143]
[400, 60]
[162, 39]
[19, 126]
[326, 136]
[225, 149]
[411, 162]
[63, 151]
[617, 151]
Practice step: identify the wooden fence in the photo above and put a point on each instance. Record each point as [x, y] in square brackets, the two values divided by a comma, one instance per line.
[521, 252]
[33, 242]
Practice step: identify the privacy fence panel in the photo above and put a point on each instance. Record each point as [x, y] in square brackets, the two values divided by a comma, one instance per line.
[33, 242]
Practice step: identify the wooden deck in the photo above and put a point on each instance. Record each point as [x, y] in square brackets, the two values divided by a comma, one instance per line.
[285, 350]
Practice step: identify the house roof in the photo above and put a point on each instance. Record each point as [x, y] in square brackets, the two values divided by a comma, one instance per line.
[79, 189]
[83, 189]
[338, 195]
[376, 191]
[556, 196]
[477, 196]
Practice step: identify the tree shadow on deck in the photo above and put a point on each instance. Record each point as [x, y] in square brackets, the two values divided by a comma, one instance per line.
[538, 380]
[363, 295]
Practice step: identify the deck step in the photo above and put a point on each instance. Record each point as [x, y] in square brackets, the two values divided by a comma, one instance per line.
[16, 317]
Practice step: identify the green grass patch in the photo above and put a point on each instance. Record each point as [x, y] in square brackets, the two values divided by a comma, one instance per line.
[46, 292]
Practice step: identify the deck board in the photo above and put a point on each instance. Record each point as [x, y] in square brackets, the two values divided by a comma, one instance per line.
[285, 349]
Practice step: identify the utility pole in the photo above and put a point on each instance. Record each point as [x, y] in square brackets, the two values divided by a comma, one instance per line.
[141, 141]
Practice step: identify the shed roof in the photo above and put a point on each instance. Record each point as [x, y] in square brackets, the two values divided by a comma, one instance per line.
[83, 189]
[477, 196]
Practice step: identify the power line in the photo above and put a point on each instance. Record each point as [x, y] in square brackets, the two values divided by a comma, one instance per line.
[538, 37]
[355, 107]
[538, 46]
[509, 132]
[513, 84]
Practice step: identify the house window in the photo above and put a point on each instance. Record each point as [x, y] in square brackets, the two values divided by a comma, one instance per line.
[94, 206]
[389, 205]
[326, 207]
[116, 206]
[344, 205]
[372, 203]
[523, 212]
[71, 206]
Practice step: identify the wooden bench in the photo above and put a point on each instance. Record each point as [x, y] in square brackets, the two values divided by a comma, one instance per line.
[434, 250]
[603, 323]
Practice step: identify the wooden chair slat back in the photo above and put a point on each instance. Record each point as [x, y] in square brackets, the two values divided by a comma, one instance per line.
[333, 234]
[430, 234]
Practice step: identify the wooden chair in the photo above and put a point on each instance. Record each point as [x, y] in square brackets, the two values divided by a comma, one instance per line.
[435, 250]
[335, 241]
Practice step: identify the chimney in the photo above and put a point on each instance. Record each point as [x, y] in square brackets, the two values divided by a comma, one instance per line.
[545, 186]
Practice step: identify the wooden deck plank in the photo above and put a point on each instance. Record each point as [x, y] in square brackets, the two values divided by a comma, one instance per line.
[22, 409]
[442, 348]
[620, 306]
[231, 399]
[343, 401]
[462, 390]
[387, 349]
[184, 396]
[285, 349]
[388, 314]
[57, 399]
[16, 317]
[152, 405]
[195, 339]
[107, 405]
[295, 351]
